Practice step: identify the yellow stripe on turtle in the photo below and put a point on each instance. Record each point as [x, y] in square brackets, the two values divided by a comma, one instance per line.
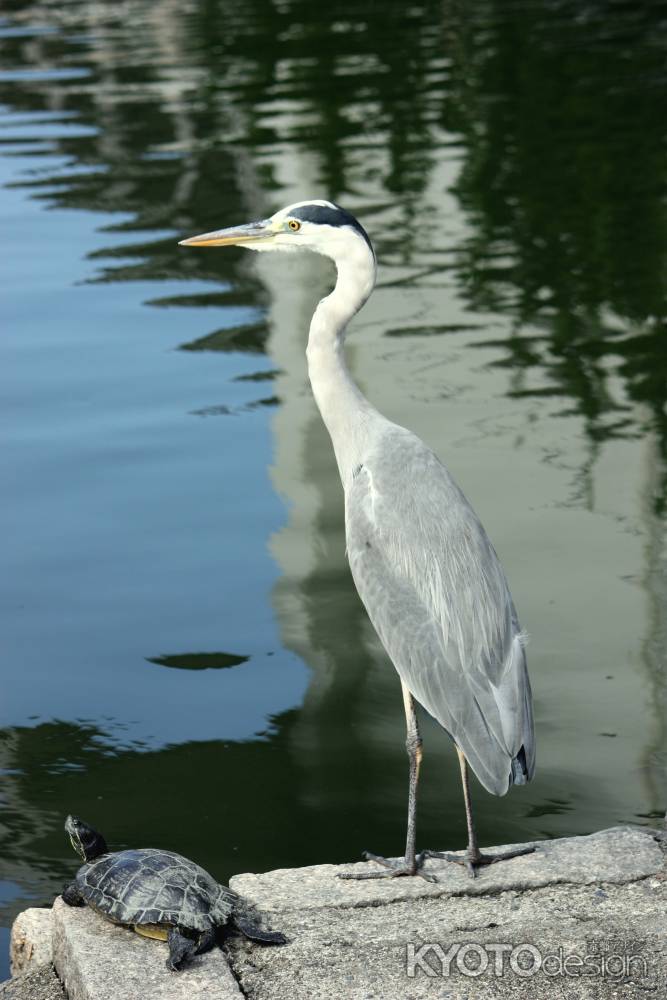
[156, 931]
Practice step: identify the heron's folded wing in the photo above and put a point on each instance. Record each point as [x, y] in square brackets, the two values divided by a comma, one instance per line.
[436, 594]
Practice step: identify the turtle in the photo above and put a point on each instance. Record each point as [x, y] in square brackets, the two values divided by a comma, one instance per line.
[159, 894]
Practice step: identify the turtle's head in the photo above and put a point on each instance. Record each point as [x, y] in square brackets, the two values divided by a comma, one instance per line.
[87, 843]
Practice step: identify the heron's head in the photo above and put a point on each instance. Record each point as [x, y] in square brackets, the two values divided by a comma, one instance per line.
[87, 843]
[320, 226]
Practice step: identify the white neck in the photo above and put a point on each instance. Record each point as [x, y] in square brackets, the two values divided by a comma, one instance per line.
[344, 409]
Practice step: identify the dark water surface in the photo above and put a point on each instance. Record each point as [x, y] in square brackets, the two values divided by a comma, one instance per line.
[185, 660]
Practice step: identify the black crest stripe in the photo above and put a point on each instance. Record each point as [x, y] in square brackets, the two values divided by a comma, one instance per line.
[322, 215]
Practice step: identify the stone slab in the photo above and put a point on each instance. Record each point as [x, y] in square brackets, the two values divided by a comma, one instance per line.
[39, 983]
[595, 905]
[97, 961]
[30, 944]
[363, 953]
[622, 854]
[578, 901]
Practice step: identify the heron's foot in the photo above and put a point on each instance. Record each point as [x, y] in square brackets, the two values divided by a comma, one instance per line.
[392, 868]
[472, 860]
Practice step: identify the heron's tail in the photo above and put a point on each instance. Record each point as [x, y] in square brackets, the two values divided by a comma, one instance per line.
[520, 773]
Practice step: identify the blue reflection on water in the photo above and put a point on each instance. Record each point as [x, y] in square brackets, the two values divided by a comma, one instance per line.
[136, 529]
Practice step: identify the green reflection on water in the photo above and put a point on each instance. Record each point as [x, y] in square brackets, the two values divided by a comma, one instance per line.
[564, 179]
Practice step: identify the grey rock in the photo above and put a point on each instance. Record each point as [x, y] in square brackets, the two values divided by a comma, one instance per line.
[361, 939]
[99, 961]
[40, 983]
[30, 944]
[622, 854]
[573, 903]
[354, 952]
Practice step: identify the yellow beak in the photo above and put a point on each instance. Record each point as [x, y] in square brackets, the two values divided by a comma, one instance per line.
[252, 232]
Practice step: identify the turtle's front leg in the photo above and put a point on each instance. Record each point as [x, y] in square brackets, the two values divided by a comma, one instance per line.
[206, 941]
[72, 896]
[181, 948]
[255, 933]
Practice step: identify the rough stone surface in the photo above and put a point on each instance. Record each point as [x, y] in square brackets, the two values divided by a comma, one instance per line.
[618, 855]
[602, 897]
[30, 944]
[592, 909]
[40, 983]
[98, 961]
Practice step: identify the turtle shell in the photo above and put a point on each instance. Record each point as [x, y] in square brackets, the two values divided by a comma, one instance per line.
[150, 886]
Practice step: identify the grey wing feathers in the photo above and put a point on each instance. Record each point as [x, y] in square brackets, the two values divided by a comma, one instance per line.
[436, 594]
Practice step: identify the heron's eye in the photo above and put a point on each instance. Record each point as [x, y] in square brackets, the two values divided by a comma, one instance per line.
[294, 225]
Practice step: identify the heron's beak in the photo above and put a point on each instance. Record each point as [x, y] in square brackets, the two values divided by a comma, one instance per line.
[253, 232]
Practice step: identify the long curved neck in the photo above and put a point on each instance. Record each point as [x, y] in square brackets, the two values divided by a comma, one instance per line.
[345, 410]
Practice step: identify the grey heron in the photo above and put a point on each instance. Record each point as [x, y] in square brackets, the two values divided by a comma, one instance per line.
[422, 563]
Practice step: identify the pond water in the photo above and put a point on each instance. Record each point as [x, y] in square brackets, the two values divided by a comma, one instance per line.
[185, 660]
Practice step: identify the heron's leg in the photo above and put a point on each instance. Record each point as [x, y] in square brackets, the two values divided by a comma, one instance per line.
[412, 863]
[473, 848]
[473, 858]
[413, 745]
